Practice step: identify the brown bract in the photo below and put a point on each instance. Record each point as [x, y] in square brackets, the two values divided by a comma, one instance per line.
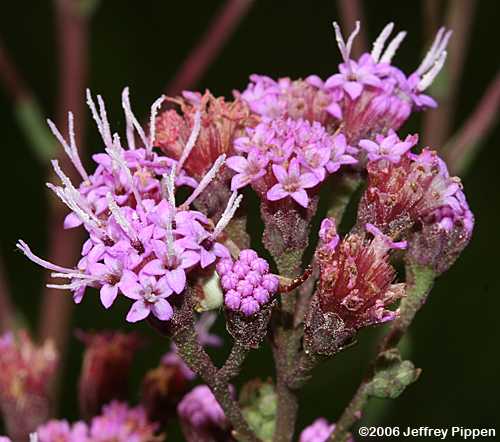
[221, 122]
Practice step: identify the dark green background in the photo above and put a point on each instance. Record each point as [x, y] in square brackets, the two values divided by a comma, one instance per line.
[141, 44]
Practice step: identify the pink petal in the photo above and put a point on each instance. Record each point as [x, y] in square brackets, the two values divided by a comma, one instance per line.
[301, 197]
[280, 172]
[221, 251]
[72, 221]
[176, 280]
[238, 181]
[334, 81]
[369, 145]
[138, 311]
[162, 288]
[353, 88]
[154, 267]
[189, 259]
[276, 193]
[206, 258]
[308, 180]
[237, 163]
[334, 110]
[108, 295]
[162, 310]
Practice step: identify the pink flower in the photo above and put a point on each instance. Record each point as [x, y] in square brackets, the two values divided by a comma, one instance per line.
[292, 183]
[389, 148]
[171, 263]
[149, 295]
[249, 169]
[339, 154]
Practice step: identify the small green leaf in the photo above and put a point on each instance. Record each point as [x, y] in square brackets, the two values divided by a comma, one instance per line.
[392, 375]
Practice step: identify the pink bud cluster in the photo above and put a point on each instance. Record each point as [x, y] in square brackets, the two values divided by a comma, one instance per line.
[284, 158]
[140, 243]
[319, 431]
[247, 283]
[118, 422]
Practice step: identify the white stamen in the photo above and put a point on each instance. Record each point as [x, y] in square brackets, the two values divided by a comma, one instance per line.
[101, 120]
[169, 233]
[21, 245]
[131, 117]
[232, 206]
[429, 77]
[206, 180]
[74, 285]
[435, 52]
[116, 152]
[170, 186]
[120, 219]
[392, 47]
[345, 48]
[71, 149]
[70, 196]
[191, 140]
[152, 122]
[128, 119]
[74, 275]
[378, 45]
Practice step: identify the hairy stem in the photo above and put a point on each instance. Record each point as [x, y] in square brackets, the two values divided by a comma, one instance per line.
[420, 281]
[183, 332]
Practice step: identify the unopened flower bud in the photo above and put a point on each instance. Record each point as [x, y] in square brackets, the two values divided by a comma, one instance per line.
[106, 363]
[26, 372]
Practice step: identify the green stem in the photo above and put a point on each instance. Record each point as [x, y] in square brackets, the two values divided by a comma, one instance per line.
[420, 283]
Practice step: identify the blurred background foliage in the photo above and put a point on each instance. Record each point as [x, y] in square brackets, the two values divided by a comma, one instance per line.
[141, 44]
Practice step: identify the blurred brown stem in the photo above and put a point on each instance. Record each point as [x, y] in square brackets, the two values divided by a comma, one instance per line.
[438, 122]
[210, 44]
[72, 32]
[459, 151]
[350, 12]
[7, 314]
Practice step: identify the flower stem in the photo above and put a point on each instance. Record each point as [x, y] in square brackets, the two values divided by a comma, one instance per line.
[210, 44]
[183, 332]
[420, 283]
[72, 27]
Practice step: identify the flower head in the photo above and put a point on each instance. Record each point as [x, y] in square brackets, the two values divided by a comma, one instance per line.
[140, 244]
[356, 278]
[284, 158]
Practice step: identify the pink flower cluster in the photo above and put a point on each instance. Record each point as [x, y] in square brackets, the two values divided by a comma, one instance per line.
[369, 95]
[117, 422]
[247, 283]
[283, 157]
[140, 244]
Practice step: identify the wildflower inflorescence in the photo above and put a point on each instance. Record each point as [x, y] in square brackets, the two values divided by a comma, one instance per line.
[141, 244]
[285, 139]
